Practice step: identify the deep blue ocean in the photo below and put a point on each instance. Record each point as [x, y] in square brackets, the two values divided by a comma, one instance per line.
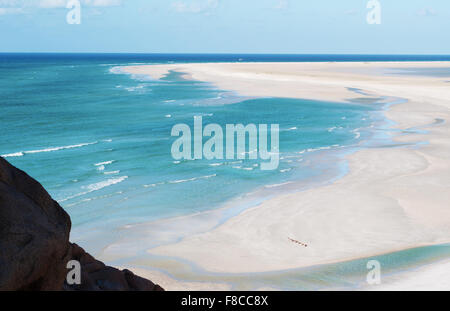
[99, 140]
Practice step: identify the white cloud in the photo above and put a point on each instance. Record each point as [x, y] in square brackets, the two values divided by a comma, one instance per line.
[195, 6]
[50, 4]
[7, 3]
[427, 12]
[351, 12]
[24, 6]
[282, 4]
[101, 3]
[5, 11]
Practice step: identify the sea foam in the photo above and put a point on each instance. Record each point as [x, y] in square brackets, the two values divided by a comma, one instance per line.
[104, 163]
[17, 154]
[191, 179]
[96, 186]
[50, 149]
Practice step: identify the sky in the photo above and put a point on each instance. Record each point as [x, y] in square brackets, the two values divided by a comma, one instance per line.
[227, 26]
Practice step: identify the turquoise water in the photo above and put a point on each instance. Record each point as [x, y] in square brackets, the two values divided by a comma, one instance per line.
[99, 140]
[347, 275]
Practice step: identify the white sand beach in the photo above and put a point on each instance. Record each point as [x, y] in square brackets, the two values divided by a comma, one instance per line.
[391, 199]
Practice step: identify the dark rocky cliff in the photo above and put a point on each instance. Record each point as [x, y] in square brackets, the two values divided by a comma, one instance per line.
[35, 246]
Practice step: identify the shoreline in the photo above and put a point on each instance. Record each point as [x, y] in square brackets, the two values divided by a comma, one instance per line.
[177, 274]
[253, 218]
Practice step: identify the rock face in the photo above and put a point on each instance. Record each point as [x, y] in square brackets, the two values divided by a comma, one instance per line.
[35, 247]
[34, 234]
[96, 276]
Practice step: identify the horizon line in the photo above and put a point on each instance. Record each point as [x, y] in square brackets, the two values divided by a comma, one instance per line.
[201, 53]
